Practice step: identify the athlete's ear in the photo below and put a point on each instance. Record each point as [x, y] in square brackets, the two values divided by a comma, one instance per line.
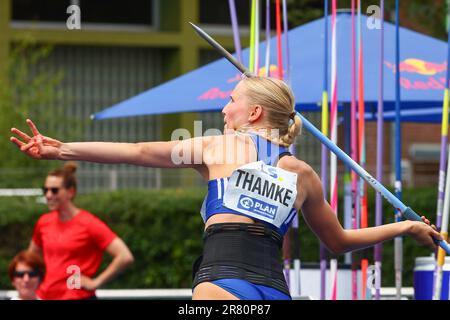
[256, 112]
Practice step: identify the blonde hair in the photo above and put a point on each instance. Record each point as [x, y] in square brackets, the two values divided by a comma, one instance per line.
[277, 99]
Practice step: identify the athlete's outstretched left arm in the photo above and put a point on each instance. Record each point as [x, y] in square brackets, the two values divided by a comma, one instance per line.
[171, 154]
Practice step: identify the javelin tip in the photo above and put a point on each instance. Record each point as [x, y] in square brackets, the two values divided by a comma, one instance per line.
[197, 29]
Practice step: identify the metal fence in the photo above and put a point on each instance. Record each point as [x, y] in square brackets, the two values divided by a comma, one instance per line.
[96, 77]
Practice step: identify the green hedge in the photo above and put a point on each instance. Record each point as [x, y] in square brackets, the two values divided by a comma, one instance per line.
[163, 229]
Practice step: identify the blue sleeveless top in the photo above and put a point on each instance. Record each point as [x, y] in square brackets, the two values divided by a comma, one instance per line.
[267, 152]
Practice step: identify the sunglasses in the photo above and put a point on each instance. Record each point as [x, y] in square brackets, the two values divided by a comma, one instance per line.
[53, 190]
[31, 274]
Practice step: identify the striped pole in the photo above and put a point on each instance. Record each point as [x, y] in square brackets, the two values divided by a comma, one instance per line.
[380, 123]
[407, 212]
[324, 167]
[444, 140]
[442, 162]
[398, 242]
[437, 294]
[296, 245]
[354, 153]
[257, 27]
[279, 50]
[443, 225]
[362, 153]
[252, 38]
[287, 76]
[347, 178]
[234, 25]
[267, 38]
[287, 240]
[333, 135]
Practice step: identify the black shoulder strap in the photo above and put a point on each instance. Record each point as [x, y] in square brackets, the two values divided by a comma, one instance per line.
[281, 155]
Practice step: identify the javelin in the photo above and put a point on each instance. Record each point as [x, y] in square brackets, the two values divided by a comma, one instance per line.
[407, 212]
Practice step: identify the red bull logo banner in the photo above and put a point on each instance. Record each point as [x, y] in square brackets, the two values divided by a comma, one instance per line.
[417, 74]
[221, 93]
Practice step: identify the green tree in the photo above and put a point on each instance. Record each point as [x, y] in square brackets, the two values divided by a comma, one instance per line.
[29, 91]
[428, 17]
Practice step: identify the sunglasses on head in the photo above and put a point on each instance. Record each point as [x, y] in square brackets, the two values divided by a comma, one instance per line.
[31, 274]
[53, 190]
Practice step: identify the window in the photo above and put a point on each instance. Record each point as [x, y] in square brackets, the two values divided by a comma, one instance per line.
[40, 10]
[218, 12]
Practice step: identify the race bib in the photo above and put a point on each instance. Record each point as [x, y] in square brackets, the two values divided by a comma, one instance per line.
[262, 192]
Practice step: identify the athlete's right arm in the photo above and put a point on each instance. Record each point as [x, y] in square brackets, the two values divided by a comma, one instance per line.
[324, 223]
[171, 154]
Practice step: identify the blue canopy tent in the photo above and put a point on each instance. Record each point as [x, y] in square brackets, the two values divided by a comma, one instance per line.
[422, 67]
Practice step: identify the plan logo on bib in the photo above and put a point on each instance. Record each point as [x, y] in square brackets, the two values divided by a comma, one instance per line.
[257, 207]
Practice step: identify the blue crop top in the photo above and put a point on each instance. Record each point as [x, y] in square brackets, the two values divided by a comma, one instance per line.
[267, 152]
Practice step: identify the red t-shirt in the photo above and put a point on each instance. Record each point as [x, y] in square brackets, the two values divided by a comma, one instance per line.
[70, 247]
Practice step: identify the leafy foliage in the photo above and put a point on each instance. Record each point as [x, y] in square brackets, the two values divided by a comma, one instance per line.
[30, 90]
[164, 231]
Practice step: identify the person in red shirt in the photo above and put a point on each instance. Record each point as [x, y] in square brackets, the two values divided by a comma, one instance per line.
[72, 242]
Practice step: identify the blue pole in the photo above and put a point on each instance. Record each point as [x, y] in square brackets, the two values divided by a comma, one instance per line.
[324, 168]
[380, 142]
[398, 154]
